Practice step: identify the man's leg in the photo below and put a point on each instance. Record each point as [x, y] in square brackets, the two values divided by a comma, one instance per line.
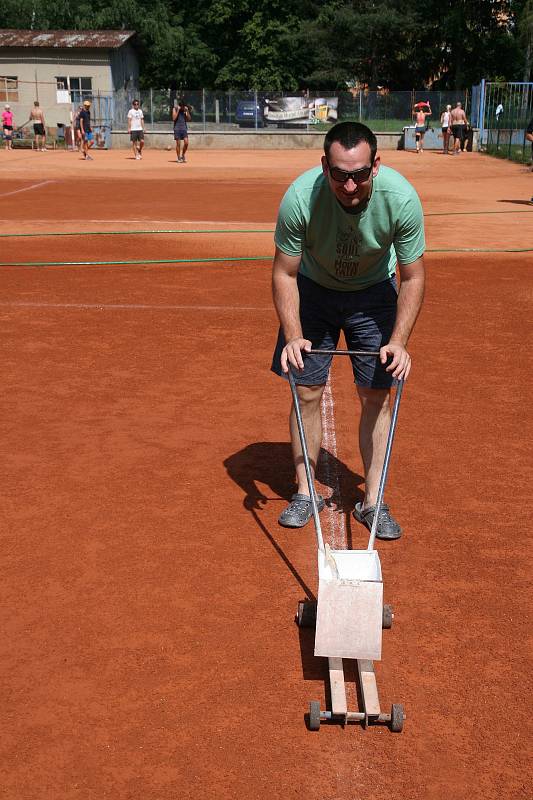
[374, 427]
[134, 148]
[178, 149]
[185, 146]
[299, 511]
[141, 145]
[310, 397]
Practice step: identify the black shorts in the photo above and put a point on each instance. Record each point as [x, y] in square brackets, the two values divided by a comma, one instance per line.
[38, 129]
[366, 318]
[8, 127]
[137, 136]
[458, 131]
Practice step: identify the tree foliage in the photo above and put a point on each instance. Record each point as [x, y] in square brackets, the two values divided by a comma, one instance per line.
[294, 44]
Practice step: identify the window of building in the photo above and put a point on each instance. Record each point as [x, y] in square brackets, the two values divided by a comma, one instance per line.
[79, 88]
[9, 89]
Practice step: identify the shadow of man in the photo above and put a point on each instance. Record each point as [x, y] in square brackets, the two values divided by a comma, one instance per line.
[271, 464]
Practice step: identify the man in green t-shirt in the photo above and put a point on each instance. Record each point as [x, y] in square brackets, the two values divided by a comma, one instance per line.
[342, 229]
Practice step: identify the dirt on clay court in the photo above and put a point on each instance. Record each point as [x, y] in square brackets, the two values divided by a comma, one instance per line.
[148, 595]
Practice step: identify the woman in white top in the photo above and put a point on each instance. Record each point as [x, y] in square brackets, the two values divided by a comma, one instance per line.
[446, 124]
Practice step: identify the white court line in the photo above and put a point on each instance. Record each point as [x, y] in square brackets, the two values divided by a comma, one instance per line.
[336, 519]
[134, 307]
[27, 188]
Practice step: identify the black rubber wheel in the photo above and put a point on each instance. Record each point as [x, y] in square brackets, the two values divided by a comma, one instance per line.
[387, 617]
[306, 617]
[314, 715]
[396, 718]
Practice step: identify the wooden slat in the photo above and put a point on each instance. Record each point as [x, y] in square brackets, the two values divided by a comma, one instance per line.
[337, 687]
[369, 687]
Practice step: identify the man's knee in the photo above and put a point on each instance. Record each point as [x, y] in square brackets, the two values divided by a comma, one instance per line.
[310, 396]
[376, 398]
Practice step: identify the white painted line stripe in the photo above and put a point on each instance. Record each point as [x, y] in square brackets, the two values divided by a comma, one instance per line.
[337, 523]
[26, 188]
[134, 307]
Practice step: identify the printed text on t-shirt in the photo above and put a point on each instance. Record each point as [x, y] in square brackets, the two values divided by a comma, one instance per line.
[347, 254]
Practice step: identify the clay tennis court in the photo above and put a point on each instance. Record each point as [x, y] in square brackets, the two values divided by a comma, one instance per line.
[148, 593]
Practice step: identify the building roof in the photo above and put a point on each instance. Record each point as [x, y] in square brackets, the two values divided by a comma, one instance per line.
[106, 40]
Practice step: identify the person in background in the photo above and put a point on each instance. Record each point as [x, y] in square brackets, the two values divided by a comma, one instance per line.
[446, 125]
[78, 139]
[181, 116]
[421, 111]
[136, 129]
[529, 137]
[86, 130]
[7, 126]
[459, 126]
[39, 130]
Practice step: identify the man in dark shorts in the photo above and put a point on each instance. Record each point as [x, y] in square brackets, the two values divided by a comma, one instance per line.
[459, 128]
[181, 116]
[39, 130]
[342, 229]
[136, 129]
[87, 137]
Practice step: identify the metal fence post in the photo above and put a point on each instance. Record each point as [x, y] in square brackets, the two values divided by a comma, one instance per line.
[203, 108]
[255, 101]
[152, 108]
[481, 110]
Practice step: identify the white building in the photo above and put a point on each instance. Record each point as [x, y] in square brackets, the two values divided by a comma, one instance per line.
[61, 68]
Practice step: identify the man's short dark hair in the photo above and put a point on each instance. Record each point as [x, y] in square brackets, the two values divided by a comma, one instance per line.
[350, 134]
[135, 101]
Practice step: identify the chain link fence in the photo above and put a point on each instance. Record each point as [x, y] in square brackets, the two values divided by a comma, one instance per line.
[213, 111]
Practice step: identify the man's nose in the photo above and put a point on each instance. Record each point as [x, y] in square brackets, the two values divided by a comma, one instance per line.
[350, 185]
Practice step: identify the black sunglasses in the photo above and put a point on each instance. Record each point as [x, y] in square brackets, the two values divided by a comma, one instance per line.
[340, 176]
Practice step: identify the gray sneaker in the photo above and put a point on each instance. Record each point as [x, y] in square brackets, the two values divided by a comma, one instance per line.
[299, 511]
[388, 528]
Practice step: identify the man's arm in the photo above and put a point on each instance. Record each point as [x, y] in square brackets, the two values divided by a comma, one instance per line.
[82, 124]
[410, 299]
[129, 122]
[287, 304]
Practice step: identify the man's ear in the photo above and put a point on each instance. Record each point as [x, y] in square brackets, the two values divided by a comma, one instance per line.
[376, 166]
[325, 165]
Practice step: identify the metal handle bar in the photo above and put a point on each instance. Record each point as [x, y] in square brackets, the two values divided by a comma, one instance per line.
[384, 471]
[342, 352]
[305, 452]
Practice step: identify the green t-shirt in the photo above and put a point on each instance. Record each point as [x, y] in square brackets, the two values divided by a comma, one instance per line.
[350, 251]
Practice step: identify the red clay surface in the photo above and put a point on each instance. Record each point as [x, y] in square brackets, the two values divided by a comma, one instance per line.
[148, 594]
